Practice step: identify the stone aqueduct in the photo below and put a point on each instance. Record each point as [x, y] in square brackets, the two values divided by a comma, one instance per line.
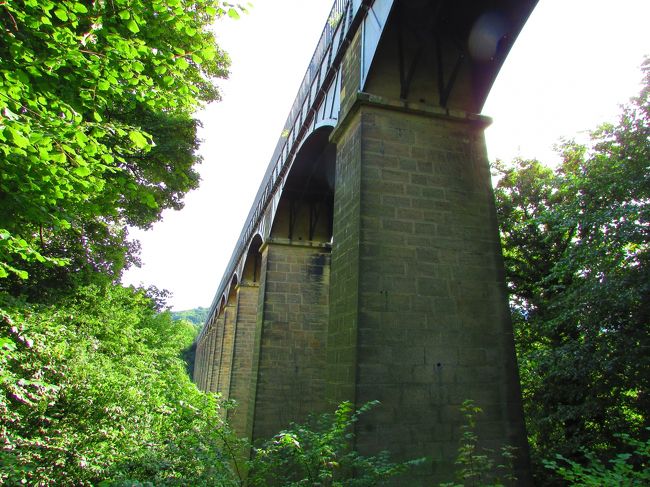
[369, 266]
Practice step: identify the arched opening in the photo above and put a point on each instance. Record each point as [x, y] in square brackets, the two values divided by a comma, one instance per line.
[232, 291]
[253, 264]
[294, 300]
[305, 212]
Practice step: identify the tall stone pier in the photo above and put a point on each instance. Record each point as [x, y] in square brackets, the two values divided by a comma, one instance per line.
[419, 316]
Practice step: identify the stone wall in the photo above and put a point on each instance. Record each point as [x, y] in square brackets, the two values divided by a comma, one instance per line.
[292, 322]
[430, 310]
[214, 365]
[227, 344]
[242, 366]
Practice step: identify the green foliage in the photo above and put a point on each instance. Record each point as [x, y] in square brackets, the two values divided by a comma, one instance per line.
[577, 253]
[94, 390]
[96, 133]
[629, 469]
[196, 316]
[321, 453]
[477, 466]
[96, 128]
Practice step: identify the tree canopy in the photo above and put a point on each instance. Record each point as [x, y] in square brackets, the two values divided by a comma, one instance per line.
[96, 127]
[94, 389]
[196, 316]
[577, 250]
[97, 133]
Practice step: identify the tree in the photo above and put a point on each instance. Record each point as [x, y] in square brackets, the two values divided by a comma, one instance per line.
[96, 127]
[96, 133]
[576, 244]
[94, 390]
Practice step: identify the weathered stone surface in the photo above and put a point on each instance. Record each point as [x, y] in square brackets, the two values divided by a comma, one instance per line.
[216, 354]
[227, 344]
[291, 338]
[242, 365]
[418, 303]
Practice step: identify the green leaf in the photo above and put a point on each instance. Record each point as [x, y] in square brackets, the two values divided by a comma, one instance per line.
[208, 53]
[19, 139]
[58, 157]
[149, 200]
[6, 342]
[82, 171]
[132, 26]
[22, 274]
[138, 139]
[125, 15]
[61, 14]
[182, 63]
[81, 138]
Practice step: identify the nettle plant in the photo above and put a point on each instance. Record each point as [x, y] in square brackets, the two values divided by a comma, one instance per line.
[321, 452]
[477, 466]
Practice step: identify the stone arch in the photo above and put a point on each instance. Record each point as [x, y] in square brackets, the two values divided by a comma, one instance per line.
[232, 290]
[253, 262]
[305, 210]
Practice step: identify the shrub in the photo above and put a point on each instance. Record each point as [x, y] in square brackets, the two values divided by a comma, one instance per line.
[628, 469]
[321, 453]
[478, 466]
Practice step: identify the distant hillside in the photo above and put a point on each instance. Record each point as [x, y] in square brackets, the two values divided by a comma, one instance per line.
[196, 316]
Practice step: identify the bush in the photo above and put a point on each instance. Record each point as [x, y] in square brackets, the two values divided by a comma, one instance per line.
[93, 390]
[321, 453]
[628, 469]
[477, 466]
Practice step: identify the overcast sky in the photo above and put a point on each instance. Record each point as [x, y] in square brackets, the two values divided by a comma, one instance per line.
[572, 66]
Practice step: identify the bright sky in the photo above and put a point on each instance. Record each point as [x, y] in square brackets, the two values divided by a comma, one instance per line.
[572, 66]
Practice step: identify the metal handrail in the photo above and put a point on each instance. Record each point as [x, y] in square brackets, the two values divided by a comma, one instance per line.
[341, 15]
